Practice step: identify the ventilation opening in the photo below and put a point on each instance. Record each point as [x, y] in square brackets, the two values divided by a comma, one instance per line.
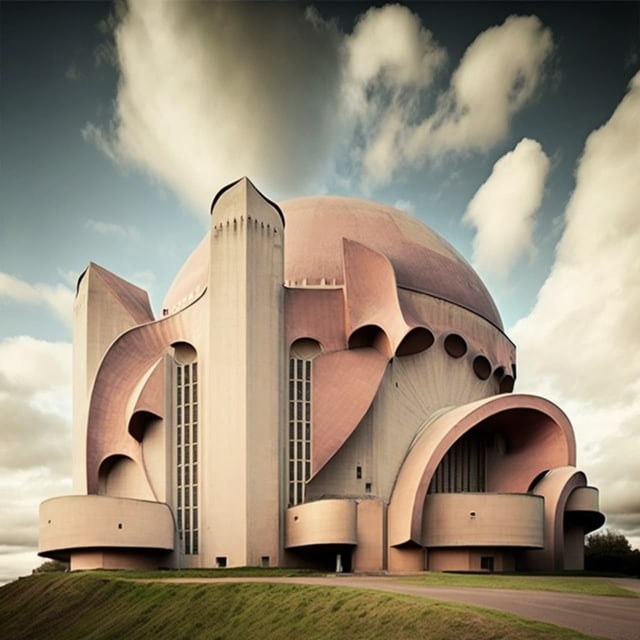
[482, 367]
[370, 336]
[506, 384]
[221, 561]
[264, 561]
[455, 345]
[417, 340]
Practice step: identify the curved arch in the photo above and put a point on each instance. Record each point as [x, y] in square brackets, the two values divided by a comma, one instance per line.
[555, 486]
[417, 340]
[130, 356]
[371, 335]
[120, 476]
[541, 437]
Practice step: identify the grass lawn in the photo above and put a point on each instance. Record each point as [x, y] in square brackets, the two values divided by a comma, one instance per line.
[100, 605]
[565, 584]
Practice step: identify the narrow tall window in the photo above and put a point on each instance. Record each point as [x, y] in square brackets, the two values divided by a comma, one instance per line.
[299, 428]
[463, 468]
[186, 454]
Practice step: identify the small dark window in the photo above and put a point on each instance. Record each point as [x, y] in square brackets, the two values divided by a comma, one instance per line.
[221, 561]
[119, 525]
[264, 561]
[367, 487]
[455, 345]
[359, 472]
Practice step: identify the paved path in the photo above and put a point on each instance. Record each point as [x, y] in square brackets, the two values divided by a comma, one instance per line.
[600, 616]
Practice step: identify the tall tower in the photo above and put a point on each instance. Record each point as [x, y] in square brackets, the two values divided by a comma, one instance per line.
[105, 306]
[245, 391]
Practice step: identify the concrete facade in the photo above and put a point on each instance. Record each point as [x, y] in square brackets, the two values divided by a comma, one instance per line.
[329, 385]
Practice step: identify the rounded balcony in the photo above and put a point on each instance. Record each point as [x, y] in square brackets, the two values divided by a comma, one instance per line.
[483, 520]
[321, 522]
[70, 523]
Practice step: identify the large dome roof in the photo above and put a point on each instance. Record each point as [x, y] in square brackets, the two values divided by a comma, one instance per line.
[422, 260]
[314, 230]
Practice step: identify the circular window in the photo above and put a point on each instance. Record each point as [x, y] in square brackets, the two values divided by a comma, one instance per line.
[305, 348]
[455, 345]
[482, 367]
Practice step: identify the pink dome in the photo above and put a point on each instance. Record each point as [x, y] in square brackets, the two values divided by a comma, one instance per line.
[314, 230]
[422, 260]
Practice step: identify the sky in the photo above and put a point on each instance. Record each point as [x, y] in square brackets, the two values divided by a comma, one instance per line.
[512, 129]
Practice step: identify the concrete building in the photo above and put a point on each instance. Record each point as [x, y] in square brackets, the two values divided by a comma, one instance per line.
[329, 382]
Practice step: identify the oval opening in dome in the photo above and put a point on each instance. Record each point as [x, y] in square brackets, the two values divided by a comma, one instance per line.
[498, 373]
[305, 348]
[482, 367]
[417, 340]
[455, 345]
[506, 384]
[370, 336]
[184, 353]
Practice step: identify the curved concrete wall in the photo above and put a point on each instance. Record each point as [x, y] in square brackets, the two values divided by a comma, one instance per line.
[77, 522]
[483, 520]
[551, 434]
[321, 522]
[584, 499]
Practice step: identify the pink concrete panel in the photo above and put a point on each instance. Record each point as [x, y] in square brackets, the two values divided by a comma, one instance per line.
[150, 402]
[128, 359]
[550, 443]
[495, 345]
[134, 299]
[344, 386]
[317, 314]
[371, 294]
[421, 259]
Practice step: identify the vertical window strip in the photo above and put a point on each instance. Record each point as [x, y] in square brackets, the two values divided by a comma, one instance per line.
[187, 455]
[299, 428]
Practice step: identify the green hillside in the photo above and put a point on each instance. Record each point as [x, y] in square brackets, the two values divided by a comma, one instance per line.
[91, 606]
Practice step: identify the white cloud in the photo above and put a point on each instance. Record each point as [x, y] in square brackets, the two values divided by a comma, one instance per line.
[496, 77]
[59, 299]
[503, 208]
[213, 91]
[405, 205]
[35, 431]
[410, 56]
[112, 229]
[209, 92]
[580, 345]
